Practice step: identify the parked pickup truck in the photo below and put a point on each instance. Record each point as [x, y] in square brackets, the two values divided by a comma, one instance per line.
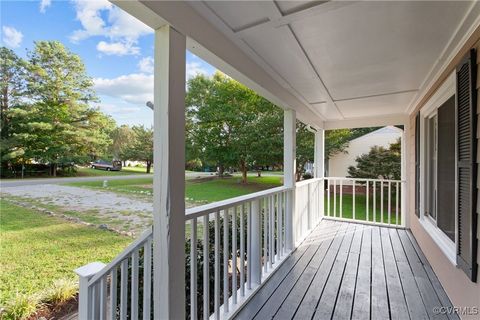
[107, 165]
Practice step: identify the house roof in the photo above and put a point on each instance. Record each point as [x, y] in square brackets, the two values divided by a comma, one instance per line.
[382, 131]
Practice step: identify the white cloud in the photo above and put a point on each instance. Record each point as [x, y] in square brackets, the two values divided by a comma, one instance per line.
[193, 68]
[11, 36]
[146, 65]
[44, 4]
[101, 18]
[117, 48]
[135, 88]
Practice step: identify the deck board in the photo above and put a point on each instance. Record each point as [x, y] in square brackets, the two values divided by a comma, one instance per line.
[351, 271]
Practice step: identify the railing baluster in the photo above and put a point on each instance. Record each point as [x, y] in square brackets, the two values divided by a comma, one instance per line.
[206, 269]
[234, 256]
[249, 246]
[217, 265]
[389, 202]
[353, 199]
[226, 255]
[381, 201]
[113, 293]
[123, 289]
[341, 198]
[374, 201]
[193, 269]
[271, 249]
[368, 196]
[265, 236]
[334, 197]
[279, 228]
[134, 283]
[397, 191]
[242, 250]
[147, 279]
[328, 197]
[103, 298]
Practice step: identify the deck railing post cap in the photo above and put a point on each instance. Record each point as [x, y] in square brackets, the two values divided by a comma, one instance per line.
[90, 269]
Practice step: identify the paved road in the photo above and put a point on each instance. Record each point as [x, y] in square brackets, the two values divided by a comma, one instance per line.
[37, 181]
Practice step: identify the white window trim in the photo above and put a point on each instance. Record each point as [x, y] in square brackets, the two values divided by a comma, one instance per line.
[445, 244]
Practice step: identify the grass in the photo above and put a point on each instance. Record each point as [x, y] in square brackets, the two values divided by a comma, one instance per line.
[199, 190]
[361, 208]
[37, 251]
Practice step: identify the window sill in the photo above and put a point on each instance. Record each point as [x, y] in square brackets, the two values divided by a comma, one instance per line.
[443, 242]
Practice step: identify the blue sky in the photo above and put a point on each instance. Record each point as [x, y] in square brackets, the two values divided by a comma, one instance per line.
[116, 48]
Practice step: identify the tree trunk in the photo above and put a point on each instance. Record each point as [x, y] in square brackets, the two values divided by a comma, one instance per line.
[243, 167]
[149, 165]
[54, 169]
[221, 169]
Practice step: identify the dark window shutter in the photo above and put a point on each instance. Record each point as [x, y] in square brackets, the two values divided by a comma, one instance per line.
[417, 164]
[466, 166]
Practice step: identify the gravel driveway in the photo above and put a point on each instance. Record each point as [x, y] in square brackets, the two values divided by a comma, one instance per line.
[95, 206]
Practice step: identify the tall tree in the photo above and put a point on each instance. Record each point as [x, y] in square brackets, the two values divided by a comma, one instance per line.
[58, 125]
[12, 89]
[231, 126]
[122, 141]
[142, 147]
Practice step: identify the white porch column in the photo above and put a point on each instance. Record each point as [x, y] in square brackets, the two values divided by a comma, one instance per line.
[289, 169]
[319, 154]
[169, 175]
[403, 176]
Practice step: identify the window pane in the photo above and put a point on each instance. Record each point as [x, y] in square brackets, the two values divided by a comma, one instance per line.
[446, 168]
[432, 160]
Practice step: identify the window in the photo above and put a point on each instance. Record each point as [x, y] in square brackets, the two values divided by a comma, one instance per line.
[438, 168]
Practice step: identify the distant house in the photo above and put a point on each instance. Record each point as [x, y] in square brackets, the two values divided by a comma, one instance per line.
[339, 163]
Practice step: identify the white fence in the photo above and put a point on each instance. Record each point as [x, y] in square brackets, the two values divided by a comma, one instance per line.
[233, 246]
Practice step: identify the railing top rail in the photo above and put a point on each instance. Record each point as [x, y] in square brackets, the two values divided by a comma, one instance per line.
[363, 179]
[203, 210]
[307, 181]
[124, 254]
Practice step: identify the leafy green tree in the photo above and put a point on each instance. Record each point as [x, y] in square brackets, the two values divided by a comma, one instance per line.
[12, 89]
[230, 125]
[142, 147]
[122, 143]
[56, 124]
[379, 162]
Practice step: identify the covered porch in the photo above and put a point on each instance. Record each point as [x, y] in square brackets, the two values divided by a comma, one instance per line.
[301, 250]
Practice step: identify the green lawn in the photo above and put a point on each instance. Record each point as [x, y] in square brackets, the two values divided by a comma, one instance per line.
[199, 190]
[36, 250]
[361, 208]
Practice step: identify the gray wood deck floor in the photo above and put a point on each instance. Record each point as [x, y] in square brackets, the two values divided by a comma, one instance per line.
[352, 271]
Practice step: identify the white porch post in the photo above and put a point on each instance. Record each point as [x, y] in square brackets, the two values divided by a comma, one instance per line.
[319, 170]
[403, 176]
[169, 175]
[289, 169]
[319, 154]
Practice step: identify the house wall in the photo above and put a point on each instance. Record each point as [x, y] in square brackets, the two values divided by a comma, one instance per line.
[461, 291]
[339, 163]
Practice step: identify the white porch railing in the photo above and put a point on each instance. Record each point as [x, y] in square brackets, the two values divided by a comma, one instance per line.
[233, 246]
[375, 201]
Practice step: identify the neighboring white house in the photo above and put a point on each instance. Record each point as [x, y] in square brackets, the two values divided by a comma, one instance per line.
[339, 163]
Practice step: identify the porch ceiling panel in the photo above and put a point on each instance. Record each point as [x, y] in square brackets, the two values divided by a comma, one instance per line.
[372, 48]
[347, 59]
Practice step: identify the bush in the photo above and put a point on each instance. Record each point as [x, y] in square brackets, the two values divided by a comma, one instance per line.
[21, 307]
[307, 175]
[61, 291]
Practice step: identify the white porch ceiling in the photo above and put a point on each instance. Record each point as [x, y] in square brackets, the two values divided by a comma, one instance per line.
[344, 59]
[334, 62]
